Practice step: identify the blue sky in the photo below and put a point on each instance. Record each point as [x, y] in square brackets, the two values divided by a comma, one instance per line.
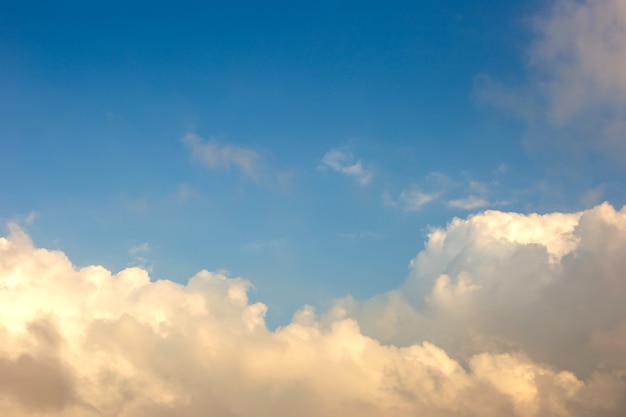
[308, 147]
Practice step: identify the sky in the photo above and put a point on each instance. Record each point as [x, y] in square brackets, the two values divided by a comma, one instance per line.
[205, 205]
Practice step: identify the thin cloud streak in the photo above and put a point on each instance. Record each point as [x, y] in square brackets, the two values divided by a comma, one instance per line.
[469, 203]
[345, 163]
[222, 157]
[410, 200]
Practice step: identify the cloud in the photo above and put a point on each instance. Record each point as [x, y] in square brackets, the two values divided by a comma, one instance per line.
[185, 193]
[575, 92]
[222, 157]
[345, 163]
[523, 315]
[546, 285]
[143, 248]
[410, 200]
[580, 54]
[469, 203]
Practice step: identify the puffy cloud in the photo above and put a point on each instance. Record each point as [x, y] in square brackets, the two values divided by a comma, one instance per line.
[215, 156]
[503, 314]
[345, 163]
[551, 286]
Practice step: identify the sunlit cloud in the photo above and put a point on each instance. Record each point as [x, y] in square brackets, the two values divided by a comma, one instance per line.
[482, 327]
[506, 281]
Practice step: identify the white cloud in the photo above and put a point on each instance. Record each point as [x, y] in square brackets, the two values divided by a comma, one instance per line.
[523, 315]
[222, 157]
[345, 163]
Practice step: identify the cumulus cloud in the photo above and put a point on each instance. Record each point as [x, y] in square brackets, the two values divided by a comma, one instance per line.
[550, 286]
[222, 157]
[576, 85]
[344, 162]
[523, 315]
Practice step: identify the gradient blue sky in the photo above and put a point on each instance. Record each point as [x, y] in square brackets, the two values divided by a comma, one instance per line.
[305, 146]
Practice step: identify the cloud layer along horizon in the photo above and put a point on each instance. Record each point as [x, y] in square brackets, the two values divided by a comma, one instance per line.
[502, 314]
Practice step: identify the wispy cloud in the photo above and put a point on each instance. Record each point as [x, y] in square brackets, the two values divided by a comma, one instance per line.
[142, 248]
[344, 162]
[469, 203]
[216, 156]
[574, 95]
[410, 200]
[139, 255]
[476, 199]
[185, 193]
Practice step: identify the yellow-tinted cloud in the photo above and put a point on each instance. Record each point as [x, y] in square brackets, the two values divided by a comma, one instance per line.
[86, 342]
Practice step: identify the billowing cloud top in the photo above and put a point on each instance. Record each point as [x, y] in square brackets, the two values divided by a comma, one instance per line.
[503, 314]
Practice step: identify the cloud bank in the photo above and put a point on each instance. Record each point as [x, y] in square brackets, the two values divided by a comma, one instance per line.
[503, 314]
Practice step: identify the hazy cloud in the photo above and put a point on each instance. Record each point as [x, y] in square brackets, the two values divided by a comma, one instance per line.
[344, 162]
[185, 193]
[216, 156]
[580, 54]
[575, 92]
[410, 200]
[142, 248]
[469, 203]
